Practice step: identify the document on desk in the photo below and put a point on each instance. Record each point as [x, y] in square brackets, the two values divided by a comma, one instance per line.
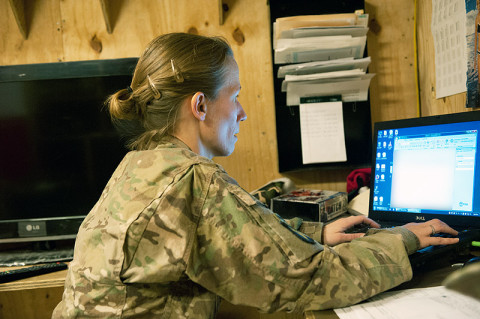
[434, 302]
[321, 130]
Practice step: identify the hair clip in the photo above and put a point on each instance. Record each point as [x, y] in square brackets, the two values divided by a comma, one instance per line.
[129, 89]
[176, 72]
[156, 92]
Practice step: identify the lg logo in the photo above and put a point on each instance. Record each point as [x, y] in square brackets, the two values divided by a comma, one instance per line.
[31, 227]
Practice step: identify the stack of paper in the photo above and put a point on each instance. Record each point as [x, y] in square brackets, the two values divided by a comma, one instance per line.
[323, 56]
[434, 302]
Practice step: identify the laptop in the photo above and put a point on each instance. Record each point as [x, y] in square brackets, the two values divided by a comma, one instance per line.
[425, 168]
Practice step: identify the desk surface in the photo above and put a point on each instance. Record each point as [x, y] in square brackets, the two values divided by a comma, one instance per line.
[57, 279]
[422, 279]
[50, 280]
[33, 297]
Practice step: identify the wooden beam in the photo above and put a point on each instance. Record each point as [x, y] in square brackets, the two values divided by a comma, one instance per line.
[18, 8]
[106, 15]
[220, 12]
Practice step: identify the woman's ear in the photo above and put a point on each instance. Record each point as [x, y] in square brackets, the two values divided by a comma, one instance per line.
[198, 106]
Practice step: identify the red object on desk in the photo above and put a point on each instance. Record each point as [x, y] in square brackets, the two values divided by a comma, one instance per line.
[352, 178]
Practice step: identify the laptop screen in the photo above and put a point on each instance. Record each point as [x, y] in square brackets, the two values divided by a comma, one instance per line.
[428, 167]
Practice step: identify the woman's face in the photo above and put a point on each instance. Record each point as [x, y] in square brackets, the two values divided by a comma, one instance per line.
[224, 115]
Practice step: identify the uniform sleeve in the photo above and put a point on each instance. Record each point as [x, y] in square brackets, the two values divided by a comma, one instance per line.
[247, 255]
[313, 230]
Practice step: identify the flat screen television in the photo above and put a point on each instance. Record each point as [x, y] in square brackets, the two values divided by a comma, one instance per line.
[58, 145]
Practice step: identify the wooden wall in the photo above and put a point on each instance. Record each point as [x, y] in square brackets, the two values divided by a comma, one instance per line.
[68, 30]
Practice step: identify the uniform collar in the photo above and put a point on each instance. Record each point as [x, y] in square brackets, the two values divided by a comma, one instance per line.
[175, 140]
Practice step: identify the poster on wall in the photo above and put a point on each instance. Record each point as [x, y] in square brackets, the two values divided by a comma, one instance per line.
[472, 25]
[448, 30]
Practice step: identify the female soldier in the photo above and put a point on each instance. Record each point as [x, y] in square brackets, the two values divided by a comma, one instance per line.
[172, 233]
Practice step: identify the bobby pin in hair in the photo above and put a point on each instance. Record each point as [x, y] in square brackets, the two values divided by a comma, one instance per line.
[176, 72]
[156, 92]
[129, 89]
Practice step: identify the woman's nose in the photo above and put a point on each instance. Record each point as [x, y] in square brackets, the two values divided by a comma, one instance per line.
[242, 116]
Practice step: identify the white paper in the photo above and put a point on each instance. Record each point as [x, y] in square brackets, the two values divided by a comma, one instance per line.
[322, 134]
[325, 42]
[449, 35]
[324, 66]
[351, 89]
[358, 19]
[319, 49]
[321, 76]
[426, 303]
[354, 31]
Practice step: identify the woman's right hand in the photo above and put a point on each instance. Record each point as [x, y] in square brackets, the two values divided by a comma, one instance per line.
[425, 231]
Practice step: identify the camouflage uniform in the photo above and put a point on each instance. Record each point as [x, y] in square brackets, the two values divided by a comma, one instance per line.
[172, 234]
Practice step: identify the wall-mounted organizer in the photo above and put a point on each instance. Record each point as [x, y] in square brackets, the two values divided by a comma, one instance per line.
[356, 115]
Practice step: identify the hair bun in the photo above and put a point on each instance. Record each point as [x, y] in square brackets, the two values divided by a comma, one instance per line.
[121, 105]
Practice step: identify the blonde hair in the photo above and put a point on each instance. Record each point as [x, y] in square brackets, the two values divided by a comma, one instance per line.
[173, 67]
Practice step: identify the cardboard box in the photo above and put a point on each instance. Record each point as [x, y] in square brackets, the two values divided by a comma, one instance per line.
[311, 205]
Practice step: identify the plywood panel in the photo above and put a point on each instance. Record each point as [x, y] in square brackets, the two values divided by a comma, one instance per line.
[391, 45]
[135, 24]
[44, 43]
[85, 35]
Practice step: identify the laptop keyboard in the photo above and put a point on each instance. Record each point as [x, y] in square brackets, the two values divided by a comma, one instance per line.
[360, 228]
[445, 253]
